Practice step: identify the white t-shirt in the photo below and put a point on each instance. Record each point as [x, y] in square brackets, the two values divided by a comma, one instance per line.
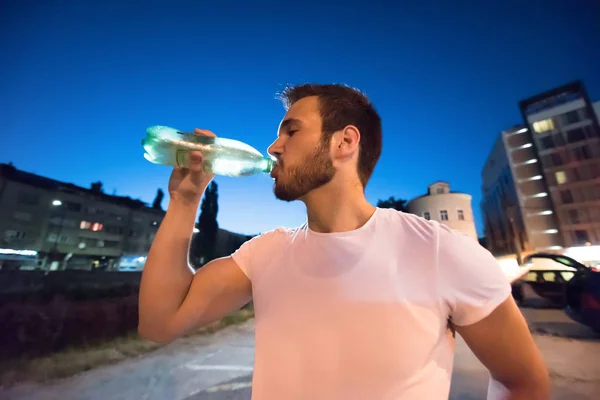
[364, 314]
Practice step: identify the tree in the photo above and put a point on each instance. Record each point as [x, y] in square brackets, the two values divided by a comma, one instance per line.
[205, 241]
[396, 204]
[157, 203]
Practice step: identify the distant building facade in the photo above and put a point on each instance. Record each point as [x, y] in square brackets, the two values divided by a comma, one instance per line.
[541, 181]
[61, 225]
[452, 209]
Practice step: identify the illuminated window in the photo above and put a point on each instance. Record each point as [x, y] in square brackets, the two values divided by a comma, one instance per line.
[543, 126]
[93, 226]
[561, 177]
[444, 215]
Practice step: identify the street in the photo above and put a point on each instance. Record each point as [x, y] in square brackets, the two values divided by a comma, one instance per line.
[219, 367]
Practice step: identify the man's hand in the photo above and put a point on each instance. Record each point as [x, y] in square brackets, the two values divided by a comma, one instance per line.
[188, 184]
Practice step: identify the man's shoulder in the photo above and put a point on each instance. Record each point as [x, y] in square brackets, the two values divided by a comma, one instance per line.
[410, 225]
[279, 233]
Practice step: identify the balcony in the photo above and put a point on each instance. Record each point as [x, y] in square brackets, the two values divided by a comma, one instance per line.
[517, 140]
[530, 188]
[527, 171]
[540, 203]
[522, 155]
[541, 240]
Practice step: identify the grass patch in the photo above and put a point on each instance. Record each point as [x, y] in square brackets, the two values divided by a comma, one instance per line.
[75, 360]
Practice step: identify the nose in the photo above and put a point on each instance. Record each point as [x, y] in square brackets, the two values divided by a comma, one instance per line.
[276, 148]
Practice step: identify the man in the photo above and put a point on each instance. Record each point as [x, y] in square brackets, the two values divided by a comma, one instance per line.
[358, 303]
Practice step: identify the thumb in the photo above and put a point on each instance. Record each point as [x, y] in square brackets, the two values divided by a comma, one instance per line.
[196, 161]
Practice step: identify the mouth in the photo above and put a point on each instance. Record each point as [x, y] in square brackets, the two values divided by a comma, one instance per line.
[275, 171]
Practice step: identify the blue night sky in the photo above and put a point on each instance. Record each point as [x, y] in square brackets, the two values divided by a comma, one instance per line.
[81, 80]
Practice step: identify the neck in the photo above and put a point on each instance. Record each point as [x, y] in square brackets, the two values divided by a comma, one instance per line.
[337, 209]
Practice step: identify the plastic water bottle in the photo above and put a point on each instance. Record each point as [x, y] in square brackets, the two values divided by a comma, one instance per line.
[168, 146]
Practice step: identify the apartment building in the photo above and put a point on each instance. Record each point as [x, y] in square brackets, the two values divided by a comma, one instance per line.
[50, 224]
[541, 181]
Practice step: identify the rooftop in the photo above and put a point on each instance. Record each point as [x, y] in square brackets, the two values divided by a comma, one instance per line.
[10, 172]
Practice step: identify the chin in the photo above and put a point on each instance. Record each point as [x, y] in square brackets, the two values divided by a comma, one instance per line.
[282, 194]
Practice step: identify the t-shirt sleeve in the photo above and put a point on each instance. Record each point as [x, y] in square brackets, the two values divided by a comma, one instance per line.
[470, 280]
[253, 253]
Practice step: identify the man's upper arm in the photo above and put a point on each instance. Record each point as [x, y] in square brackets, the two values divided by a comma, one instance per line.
[477, 297]
[223, 285]
[504, 345]
[471, 283]
[217, 289]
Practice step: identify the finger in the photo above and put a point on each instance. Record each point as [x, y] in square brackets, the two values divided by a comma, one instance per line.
[204, 132]
[195, 161]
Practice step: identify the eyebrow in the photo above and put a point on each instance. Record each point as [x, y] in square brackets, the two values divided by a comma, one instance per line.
[287, 122]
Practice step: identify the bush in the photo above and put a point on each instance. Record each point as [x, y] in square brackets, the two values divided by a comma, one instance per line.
[42, 287]
[30, 329]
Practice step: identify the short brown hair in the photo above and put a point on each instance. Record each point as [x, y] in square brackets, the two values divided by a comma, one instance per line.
[340, 106]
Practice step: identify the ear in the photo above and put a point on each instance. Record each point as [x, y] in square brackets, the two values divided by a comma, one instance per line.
[345, 142]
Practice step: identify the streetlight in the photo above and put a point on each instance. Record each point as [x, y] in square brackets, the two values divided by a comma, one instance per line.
[58, 203]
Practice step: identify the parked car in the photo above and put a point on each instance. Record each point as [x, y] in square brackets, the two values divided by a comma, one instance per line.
[569, 283]
[514, 273]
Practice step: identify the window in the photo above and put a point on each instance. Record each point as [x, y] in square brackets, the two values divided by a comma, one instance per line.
[426, 215]
[30, 199]
[461, 215]
[14, 235]
[581, 153]
[566, 196]
[561, 177]
[575, 135]
[591, 131]
[63, 239]
[547, 142]
[22, 216]
[444, 215]
[440, 191]
[571, 117]
[115, 230]
[581, 237]
[594, 171]
[93, 226]
[559, 140]
[95, 210]
[71, 206]
[573, 216]
[543, 126]
[556, 159]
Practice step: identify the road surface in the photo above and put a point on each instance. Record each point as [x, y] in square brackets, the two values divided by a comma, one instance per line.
[219, 367]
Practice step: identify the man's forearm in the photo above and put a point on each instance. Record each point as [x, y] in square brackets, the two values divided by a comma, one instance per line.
[167, 274]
